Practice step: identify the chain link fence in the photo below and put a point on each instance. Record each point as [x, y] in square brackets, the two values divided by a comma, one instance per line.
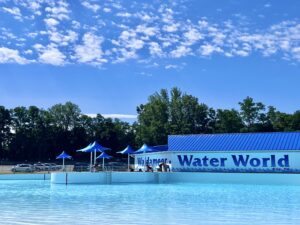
[84, 167]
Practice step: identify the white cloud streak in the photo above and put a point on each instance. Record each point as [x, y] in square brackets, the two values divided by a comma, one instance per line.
[115, 116]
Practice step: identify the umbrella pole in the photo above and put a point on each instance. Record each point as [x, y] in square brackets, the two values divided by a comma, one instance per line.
[91, 162]
[95, 157]
[145, 168]
[128, 161]
[103, 165]
[63, 164]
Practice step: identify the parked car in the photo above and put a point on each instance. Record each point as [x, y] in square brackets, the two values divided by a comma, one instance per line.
[78, 167]
[48, 167]
[39, 166]
[54, 166]
[22, 168]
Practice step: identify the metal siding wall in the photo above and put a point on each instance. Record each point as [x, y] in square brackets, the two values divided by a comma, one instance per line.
[235, 142]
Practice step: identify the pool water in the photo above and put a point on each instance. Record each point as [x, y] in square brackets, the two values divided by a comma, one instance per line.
[39, 202]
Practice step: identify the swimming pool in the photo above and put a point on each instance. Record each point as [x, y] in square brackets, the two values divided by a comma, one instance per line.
[39, 202]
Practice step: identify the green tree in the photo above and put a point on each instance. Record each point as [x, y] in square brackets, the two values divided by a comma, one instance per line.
[296, 121]
[280, 121]
[251, 112]
[153, 119]
[228, 121]
[65, 116]
[178, 114]
[5, 132]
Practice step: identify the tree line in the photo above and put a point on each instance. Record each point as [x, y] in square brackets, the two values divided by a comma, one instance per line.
[36, 134]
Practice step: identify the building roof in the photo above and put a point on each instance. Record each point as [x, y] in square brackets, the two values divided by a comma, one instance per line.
[235, 142]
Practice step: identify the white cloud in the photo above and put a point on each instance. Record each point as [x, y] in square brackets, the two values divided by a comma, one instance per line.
[241, 53]
[180, 51]
[8, 55]
[155, 49]
[15, 11]
[192, 36]
[35, 7]
[28, 52]
[171, 66]
[117, 116]
[93, 7]
[107, 10]
[144, 16]
[135, 44]
[63, 39]
[148, 31]
[124, 14]
[75, 24]
[120, 116]
[51, 22]
[90, 51]
[59, 11]
[171, 27]
[296, 53]
[51, 55]
[125, 54]
[208, 49]
[202, 23]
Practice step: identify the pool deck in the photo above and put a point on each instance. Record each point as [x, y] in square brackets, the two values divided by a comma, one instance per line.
[175, 177]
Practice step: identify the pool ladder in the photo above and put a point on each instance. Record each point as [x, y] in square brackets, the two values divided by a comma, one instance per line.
[156, 178]
[108, 177]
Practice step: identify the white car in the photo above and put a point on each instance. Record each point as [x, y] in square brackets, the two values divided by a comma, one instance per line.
[39, 166]
[22, 168]
[53, 166]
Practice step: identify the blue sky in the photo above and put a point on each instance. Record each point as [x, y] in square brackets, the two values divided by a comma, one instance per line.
[108, 56]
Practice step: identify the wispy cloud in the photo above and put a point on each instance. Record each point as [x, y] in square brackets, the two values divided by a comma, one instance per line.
[115, 116]
[51, 55]
[143, 32]
[15, 11]
[93, 7]
[11, 56]
[90, 51]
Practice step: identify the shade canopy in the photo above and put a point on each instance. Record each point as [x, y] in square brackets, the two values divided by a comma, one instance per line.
[127, 150]
[160, 148]
[85, 149]
[144, 149]
[64, 155]
[104, 156]
[94, 147]
[148, 149]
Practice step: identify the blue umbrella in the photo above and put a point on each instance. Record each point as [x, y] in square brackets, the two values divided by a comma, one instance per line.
[144, 149]
[88, 149]
[93, 148]
[64, 156]
[128, 150]
[96, 147]
[104, 156]
[85, 149]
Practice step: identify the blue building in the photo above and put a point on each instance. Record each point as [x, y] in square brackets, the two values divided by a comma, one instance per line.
[242, 152]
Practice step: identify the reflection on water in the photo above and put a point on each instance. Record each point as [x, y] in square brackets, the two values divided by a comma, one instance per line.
[38, 202]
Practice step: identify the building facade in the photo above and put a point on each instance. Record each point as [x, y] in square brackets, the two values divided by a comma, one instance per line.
[243, 152]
